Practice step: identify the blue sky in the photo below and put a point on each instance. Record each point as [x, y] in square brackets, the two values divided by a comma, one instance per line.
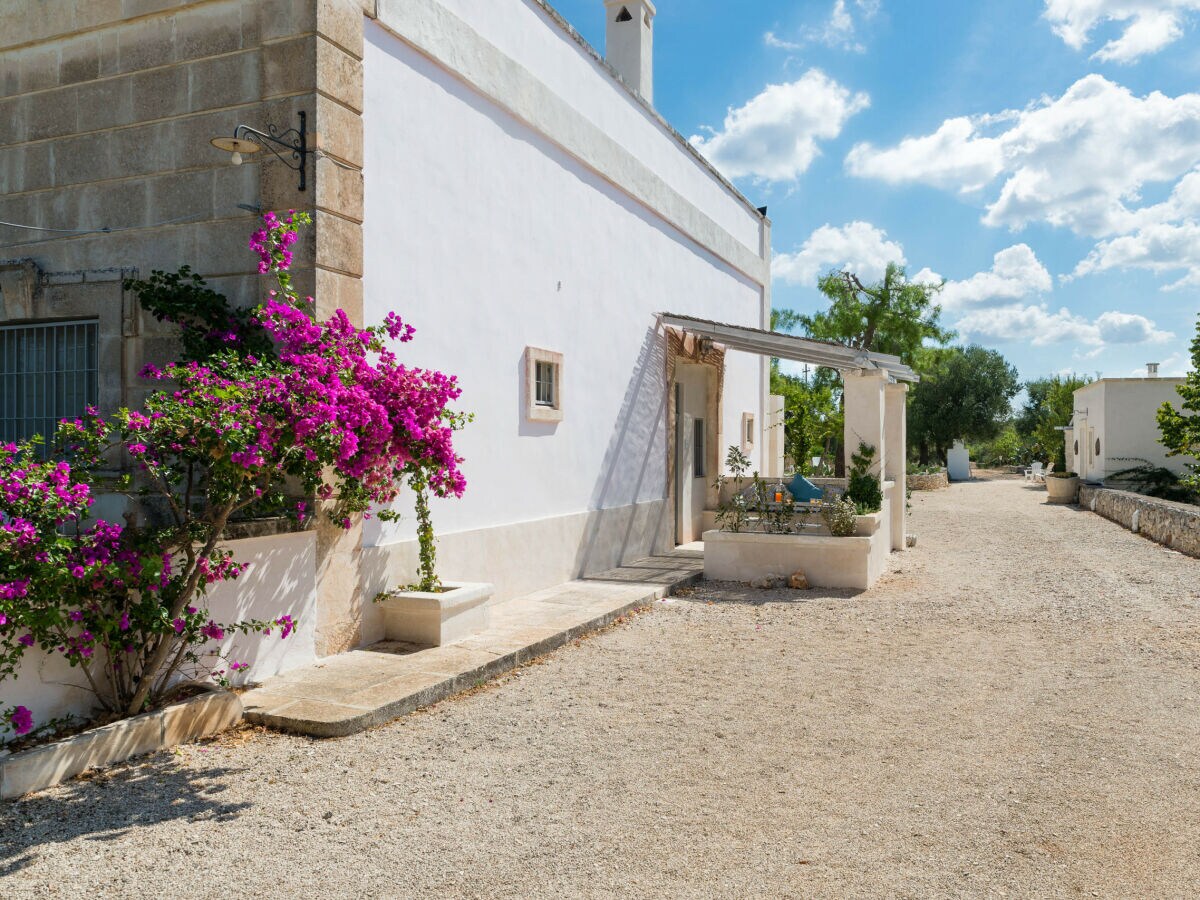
[1042, 156]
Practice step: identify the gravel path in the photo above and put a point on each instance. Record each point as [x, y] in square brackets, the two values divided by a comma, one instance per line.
[1012, 711]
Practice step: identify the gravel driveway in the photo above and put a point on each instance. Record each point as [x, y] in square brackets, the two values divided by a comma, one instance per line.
[1012, 711]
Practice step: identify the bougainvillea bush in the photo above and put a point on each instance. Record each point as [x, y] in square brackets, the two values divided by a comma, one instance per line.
[329, 409]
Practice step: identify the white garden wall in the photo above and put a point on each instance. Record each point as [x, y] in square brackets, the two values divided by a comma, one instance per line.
[281, 578]
[488, 237]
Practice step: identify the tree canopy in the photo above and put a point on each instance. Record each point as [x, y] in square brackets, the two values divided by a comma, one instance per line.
[1050, 405]
[963, 393]
[892, 315]
[1180, 428]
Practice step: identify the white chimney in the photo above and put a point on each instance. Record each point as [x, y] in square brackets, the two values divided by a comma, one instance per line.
[629, 43]
[1151, 370]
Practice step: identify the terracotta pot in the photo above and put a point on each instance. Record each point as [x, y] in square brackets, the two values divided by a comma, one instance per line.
[1061, 490]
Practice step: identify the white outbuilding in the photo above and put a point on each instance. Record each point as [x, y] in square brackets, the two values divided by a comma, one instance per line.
[1115, 426]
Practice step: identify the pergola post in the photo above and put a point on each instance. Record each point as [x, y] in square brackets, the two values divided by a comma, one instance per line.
[863, 393]
[895, 467]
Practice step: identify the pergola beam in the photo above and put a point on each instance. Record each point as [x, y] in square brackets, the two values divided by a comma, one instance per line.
[790, 347]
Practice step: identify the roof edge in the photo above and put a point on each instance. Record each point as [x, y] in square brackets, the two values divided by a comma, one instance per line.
[647, 107]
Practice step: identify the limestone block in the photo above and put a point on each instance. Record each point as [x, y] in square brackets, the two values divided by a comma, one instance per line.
[105, 104]
[48, 120]
[341, 21]
[97, 12]
[208, 30]
[201, 716]
[89, 157]
[340, 131]
[339, 244]
[80, 59]
[192, 135]
[281, 18]
[145, 43]
[339, 74]
[145, 149]
[338, 189]
[39, 67]
[290, 66]
[337, 291]
[180, 193]
[131, 8]
[160, 93]
[225, 81]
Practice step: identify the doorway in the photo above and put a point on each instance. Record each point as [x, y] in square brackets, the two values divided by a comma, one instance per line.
[692, 451]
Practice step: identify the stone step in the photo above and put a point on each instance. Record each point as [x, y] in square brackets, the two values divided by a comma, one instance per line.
[353, 691]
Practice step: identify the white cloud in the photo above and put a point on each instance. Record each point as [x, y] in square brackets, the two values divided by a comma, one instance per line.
[994, 307]
[954, 156]
[1147, 25]
[1078, 161]
[1158, 248]
[1128, 328]
[1039, 325]
[774, 136]
[1016, 273]
[839, 30]
[859, 247]
[1174, 366]
[771, 39]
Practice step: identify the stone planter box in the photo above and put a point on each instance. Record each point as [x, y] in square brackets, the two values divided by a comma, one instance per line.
[935, 481]
[41, 767]
[827, 561]
[433, 619]
[1061, 490]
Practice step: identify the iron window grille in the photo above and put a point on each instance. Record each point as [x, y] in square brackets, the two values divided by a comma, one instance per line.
[47, 372]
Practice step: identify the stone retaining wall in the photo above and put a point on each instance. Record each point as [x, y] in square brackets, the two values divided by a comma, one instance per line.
[1175, 525]
[933, 482]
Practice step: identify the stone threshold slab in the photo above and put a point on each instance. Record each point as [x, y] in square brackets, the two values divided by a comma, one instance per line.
[41, 767]
[353, 691]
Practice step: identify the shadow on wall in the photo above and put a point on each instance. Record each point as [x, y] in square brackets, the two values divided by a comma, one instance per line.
[525, 428]
[112, 806]
[619, 526]
[280, 579]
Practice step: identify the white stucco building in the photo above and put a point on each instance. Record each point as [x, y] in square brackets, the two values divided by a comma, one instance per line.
[1115, 426]
[483, 172]
[530, 214]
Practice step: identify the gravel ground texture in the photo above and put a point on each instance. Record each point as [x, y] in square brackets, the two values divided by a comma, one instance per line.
[1014, 710]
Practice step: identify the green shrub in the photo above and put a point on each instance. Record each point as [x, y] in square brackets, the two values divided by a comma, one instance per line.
[864, 489]
[840, 517]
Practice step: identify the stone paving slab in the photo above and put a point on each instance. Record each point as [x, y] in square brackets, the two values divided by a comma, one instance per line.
[353, 691]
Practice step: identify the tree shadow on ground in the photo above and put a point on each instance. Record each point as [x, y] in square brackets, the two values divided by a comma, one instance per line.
[740, 594]
[112, 804]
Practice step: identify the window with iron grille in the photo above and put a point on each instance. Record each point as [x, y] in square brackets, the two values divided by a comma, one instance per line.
[47, 373]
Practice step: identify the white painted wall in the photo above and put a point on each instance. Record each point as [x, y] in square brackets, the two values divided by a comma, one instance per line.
[524, 31]
[281, 578]
[488, 238]
[1122, 413]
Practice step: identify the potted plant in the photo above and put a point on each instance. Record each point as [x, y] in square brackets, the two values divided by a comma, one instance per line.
[1062, 487]
[432, 612]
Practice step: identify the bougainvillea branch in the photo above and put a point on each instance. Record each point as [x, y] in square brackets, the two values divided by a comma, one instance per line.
[330, 408]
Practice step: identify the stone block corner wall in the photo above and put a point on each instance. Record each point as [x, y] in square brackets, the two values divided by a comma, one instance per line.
[111, 106]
